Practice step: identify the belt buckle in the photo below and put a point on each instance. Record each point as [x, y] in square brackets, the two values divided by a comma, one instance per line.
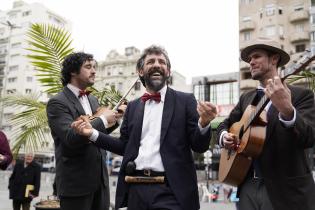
[147, 172]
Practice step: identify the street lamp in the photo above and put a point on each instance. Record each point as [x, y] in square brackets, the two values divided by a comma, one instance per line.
[6, 68]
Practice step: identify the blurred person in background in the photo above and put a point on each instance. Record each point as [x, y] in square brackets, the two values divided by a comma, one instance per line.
[24, 183]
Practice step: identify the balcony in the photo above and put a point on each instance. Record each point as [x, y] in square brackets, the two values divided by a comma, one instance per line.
[300, 36]
[299, 16]
[246, 26]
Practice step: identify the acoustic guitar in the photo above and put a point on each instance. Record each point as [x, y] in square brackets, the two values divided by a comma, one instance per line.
[251, 132]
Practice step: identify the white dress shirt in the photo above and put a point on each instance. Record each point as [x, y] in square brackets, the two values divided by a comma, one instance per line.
[149, 156]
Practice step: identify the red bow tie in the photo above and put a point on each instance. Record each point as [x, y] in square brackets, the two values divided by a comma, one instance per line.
[156, 97]
[84, 93]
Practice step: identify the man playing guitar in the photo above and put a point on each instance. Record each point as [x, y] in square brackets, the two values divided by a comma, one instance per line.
[279, 178]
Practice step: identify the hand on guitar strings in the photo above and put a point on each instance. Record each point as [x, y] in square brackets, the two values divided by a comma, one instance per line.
[280, 95]
[207, 112]
[230, 141]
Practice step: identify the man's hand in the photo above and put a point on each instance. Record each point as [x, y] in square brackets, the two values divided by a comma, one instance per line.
[207, 112]
[230, 141]
[121, 111]
[280, 95]
[82, 127]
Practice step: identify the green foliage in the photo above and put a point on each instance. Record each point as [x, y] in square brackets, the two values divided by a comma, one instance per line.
[49, 46]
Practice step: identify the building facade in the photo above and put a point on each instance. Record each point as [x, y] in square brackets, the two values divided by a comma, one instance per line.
[17, 75]
[285, 21]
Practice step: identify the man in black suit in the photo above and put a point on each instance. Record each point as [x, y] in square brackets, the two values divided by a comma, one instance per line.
[24, 182]
[158, 133]
[280, 177]
[81, 174]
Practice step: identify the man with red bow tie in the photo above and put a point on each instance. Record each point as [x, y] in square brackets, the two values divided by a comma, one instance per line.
[158, 132]
[81, 175]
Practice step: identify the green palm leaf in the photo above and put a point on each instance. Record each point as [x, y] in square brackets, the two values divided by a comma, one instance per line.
[30, 125]
[49, 46]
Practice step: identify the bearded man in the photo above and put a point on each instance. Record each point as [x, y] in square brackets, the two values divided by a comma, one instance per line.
[158, 132]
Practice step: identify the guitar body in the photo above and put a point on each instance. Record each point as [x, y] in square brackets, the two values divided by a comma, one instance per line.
[234, 164]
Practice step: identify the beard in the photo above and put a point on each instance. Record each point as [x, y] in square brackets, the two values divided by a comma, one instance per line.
[155, 84]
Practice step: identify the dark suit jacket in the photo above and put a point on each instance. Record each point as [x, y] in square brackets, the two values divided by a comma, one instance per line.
[80, 168]
[179, 135]
[23, 176]
[284, 167]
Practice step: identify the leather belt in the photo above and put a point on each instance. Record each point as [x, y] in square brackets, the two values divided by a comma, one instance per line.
[148, 173]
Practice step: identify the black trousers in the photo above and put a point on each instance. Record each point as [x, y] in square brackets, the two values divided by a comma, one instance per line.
[24, 204]
[98, 200]
[151, 197]
[254, 196]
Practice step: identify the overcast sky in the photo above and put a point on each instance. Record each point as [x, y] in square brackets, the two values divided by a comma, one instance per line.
[201, 36]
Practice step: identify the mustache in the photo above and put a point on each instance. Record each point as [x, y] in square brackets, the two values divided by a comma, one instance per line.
[155, 70]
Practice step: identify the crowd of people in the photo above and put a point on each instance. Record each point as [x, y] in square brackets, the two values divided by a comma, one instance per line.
[159, 130]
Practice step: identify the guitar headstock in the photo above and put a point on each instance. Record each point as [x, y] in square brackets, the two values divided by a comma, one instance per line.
[306, 58]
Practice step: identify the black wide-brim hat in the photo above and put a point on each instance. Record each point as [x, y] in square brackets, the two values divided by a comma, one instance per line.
[268, 45]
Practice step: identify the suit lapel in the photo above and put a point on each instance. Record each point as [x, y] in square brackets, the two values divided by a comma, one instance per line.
[138, 119]
[168, 110]
[93, 103]
[73, 99]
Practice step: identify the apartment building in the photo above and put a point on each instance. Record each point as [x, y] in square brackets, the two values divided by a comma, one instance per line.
[17, 75]
[285, 21]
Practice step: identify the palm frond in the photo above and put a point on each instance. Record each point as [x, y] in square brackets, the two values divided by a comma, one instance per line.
[107, 96]
[49, 46]
[30, 124]
[309, 76]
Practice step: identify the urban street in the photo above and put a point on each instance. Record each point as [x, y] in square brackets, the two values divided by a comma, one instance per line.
[46, 190]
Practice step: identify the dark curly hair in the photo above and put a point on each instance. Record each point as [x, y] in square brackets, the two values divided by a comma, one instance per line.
[153, 49]
[72, 64]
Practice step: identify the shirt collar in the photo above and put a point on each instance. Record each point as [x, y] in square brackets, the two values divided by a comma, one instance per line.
[75, 90]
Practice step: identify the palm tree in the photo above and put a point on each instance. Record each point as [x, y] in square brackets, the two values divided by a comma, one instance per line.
[49, 46]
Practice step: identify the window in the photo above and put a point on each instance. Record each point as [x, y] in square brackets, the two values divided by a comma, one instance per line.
[246, 19]
[26, 13]
[2, 30]
[270, 9]
[28, 91]
[299, 7]
[281, 31]
[299, 27]
[29, 79]
[270, 30]
[280, 11]
[300, 48]
[13, 68]
[246, 35]
[120, 87]
[14, 56]
[16, 45]
[12, 79]
[11, 91]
